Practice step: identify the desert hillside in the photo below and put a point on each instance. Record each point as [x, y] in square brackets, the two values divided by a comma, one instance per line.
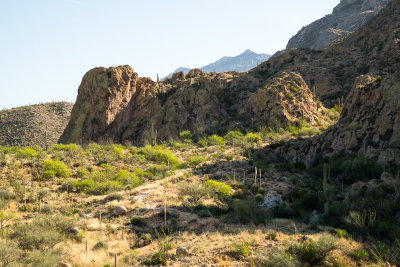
[34, 125]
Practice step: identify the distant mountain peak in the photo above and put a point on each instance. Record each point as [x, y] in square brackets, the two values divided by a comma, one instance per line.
[243, 62]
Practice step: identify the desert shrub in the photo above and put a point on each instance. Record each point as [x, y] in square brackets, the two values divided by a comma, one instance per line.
[126, 178]
[186, 135]
[249, 211]
[143, 174]
[193, 192]
[159, 170]
[314, 252]
[342, 233]
[272, 235]
[253, 137]
[194, 160]
[69, 147]
[47, 209]
[28, 152]
[100, 245]
[233, 136]
[164, 245]
[238, 250]
[113, 196]
[221, 189]
[360, 254]
[362, 222]
[47, 258]
[9, 253]
[138, 221]
[212, 140]
[6, 194]
[276, 257]
[43, 232]
[55, 168]
[160, 155]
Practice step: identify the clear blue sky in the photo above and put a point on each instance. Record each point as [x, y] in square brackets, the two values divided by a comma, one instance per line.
[47, 46]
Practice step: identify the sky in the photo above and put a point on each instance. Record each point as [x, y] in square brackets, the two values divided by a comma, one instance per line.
[46, 46]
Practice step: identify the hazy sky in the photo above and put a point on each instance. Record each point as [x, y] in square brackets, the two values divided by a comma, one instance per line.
[47, 46]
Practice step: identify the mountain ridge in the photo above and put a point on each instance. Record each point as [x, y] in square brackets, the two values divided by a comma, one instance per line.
[242, 62]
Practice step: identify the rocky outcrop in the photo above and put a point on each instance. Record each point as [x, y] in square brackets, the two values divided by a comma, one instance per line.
[102, 94]
[199, 102]
[347, 17]
[369, 59]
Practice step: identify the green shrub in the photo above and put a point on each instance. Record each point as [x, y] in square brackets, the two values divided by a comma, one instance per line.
[193, 192]
[274, 258]
[55, 168]
[100, 245]
[142, 173]
[28, 152]
[360, 254]
[47, 258]
[43, 233]
[113, 196]
[253, 138]
[213, 140]
[6, 194]
[342, 233]
[240, 249]
[249, 211]
[220, 188]
[69, 147]
[186, 135]
[313, 252]
[233, 136]
[160, 155]
[138, 221]
[271, 236]
[9, 253]
[124, 177]
[194, 160]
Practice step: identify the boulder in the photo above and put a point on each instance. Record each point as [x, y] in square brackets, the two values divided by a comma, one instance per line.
[272, 199]
[120, 210]
[181, 252]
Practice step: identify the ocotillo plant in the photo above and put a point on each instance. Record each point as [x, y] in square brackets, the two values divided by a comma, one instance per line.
[153, 135]
[325, 188]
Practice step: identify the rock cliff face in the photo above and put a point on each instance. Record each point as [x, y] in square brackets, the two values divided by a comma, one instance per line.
[347, 17]
[111, 107]
[364, 69]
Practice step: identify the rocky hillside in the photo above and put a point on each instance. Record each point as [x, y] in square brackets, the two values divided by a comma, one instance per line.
[114, 104]
[363, 70]
[29, 125]
[347, 17]
[243, 62]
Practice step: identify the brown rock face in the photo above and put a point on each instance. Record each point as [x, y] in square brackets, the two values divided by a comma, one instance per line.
[102, 94]
[128, 109]
[347, 17]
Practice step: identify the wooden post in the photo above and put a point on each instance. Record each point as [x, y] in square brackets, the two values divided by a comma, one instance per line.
[255, 175]
[165, 206]
[115, 261]
[244, 176]
[86, 252]
[234, 177]
[25, 191]
[100, 221]
[260, 177]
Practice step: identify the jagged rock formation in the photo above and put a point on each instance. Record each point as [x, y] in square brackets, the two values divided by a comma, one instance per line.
[243, 62]
[198, 102]
[365, 68]
[34, 124]
[347, 17]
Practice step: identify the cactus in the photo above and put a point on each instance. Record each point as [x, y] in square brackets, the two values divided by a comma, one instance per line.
[153, 135]
[325, 188]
